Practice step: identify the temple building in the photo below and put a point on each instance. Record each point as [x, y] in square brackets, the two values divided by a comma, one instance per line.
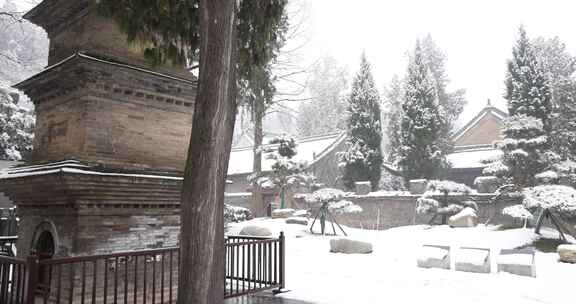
[110, 141]
[474, 143]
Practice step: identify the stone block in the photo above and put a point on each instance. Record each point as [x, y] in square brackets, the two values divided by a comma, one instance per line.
[418, 186]
[434, 256]
[363, 188]
[473, 260]
[350, 246]
[567, 253]
[486, 184]
[301, 213]
[517, 261]
[297, 221]
[465, 218]
[255, 231]
[282, 213]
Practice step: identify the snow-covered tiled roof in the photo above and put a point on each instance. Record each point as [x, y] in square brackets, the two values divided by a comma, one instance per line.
[309, 150]
[472, 158]
[489, 109]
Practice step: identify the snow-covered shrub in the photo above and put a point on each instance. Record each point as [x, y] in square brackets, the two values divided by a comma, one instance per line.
[444, 198]
[391, 182]
[518, 212]
[440, 187]
[325, 195]
[329, 200]
[426, 205]
[234, 214]
[558, 199]
[547, 177]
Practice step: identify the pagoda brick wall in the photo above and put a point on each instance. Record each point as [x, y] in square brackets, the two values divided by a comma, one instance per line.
[112, 115]
[99, 230]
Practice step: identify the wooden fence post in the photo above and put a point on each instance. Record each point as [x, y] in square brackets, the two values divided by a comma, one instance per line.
[31, 278]
[282, 261]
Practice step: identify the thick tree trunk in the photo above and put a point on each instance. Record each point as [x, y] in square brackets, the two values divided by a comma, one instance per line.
[201, 279]
[258, 204]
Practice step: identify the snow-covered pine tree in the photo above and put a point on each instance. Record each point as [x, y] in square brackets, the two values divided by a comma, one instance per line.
[563, 134]
[421, 154]
[529, 105]
[558, 66]
[524, 148]
[391, 118]
[527, 90]
[451, 102]
[363, 159]
[16, 127]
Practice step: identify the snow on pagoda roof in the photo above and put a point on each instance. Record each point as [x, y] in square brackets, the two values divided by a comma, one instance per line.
[79, 55]
[468, 159]
[309, 150]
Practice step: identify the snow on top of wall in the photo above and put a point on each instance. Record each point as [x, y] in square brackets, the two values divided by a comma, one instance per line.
[472, 158]
[309, 150]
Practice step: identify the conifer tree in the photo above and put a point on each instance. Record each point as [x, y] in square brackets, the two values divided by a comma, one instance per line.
[529, 105]
[421, 154]
[527, 90]
[451, 102]
[363, 159]
[391, 118]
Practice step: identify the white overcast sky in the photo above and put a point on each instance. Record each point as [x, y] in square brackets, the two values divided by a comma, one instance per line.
[477, 36]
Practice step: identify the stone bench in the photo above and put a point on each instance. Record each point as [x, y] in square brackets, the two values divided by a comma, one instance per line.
[434, 256]
[517, 261]
[471, 259]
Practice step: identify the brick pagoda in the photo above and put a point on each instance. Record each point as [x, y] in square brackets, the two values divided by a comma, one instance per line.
[110, 140]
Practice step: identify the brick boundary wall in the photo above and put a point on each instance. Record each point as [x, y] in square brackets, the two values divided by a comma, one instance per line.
[384, 212]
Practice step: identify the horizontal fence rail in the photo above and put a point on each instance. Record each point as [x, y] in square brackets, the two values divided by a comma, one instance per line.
[149, 277]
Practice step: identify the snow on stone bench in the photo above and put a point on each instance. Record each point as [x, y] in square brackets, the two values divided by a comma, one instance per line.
[282, 213]
[349, 246]
[297, 220]
[517, 261]
[255, 231]
[473, 260]
[434, 256]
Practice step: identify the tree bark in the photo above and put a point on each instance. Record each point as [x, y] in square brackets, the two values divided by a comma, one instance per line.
[201, 279]
[258, 204]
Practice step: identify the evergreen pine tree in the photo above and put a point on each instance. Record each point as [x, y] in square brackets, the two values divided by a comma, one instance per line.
[363, 159]
[392, 117]
[558, 66]
[421, 154]
[530, 108]
[451, 102]
[527, 90]
[524, 149]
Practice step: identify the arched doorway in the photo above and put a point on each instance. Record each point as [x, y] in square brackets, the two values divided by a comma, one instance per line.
[45, 245]
[45, 249]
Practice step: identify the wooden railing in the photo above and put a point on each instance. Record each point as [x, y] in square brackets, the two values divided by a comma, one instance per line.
[147, 277]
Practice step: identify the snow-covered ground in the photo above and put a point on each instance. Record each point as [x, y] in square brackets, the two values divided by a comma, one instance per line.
[390, 275]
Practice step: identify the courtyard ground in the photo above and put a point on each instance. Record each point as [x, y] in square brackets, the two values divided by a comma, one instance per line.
[390, 274]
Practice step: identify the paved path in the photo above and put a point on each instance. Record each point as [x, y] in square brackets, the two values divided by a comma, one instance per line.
[264, 298]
